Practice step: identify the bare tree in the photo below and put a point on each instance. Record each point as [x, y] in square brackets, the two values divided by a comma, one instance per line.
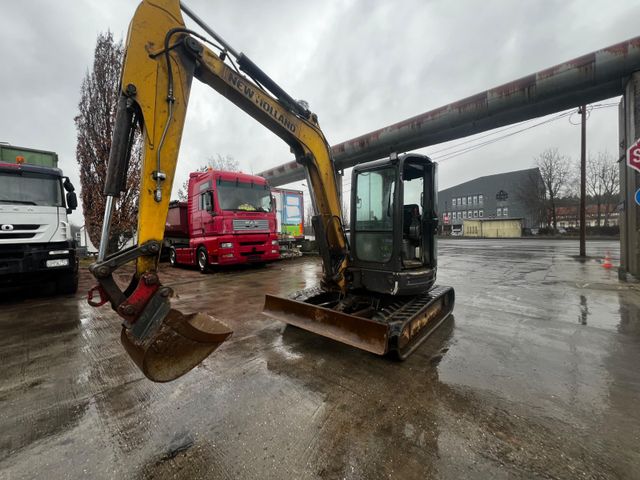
[226, 163]
[94, 124]
[602, 183]
[308, 215]
[554, 169]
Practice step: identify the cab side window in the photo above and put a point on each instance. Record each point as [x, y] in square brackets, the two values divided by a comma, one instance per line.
[206, 201]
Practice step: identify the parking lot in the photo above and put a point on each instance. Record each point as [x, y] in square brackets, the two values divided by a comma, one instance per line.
[535, 376]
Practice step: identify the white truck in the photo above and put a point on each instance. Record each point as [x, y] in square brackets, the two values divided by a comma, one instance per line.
[36, 243]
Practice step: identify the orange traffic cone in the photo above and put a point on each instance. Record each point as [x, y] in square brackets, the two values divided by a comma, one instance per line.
[607, 261]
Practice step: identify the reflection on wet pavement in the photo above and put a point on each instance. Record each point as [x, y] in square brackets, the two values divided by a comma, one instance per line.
[511, 387]
[584, 310]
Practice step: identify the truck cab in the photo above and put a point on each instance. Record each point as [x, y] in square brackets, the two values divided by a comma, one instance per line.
[36, 243]
[229, 218]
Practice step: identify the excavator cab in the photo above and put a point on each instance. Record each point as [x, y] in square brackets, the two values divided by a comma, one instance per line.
[393, 225]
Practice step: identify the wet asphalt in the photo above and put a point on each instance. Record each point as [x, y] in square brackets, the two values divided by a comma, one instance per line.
[535, 376]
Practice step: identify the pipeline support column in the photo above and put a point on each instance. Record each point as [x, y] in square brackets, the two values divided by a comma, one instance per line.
[629, 120]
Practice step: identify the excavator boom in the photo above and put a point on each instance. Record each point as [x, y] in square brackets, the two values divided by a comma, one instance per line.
[162, 57]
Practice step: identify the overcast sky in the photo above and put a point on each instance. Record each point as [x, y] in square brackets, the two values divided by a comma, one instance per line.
[361, 65]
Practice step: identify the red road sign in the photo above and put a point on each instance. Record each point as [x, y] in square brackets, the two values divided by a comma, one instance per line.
[446, 219]
[633, 155]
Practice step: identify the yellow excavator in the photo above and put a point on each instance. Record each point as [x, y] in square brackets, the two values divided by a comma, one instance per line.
[377, 289]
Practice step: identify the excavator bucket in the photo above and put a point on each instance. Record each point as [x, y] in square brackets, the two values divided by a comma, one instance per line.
[179, 344]
[396, 327]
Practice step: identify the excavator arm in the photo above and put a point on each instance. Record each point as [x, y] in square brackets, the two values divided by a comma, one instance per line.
[162, 57]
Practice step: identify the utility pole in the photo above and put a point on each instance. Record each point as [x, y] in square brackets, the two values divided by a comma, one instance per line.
[583, 181]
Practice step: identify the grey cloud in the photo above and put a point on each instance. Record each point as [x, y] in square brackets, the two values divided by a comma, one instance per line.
[361, 65]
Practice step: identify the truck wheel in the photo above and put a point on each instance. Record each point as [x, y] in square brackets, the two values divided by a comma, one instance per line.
[172, 257]
[203, 260]
[67, 283]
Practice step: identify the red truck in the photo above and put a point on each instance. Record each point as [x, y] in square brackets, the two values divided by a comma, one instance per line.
[229, 219]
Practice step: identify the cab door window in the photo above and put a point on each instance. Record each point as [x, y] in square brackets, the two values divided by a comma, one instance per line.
[206, 201]
[375, 191]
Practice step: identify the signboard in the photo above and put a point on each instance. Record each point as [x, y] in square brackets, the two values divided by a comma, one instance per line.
[637, 196]
[633, 157]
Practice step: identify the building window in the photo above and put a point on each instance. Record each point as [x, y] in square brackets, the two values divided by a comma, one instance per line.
[453, 202]
[464, 200]
[469, 199]
[499, 212]
[505, 212]
[480, 213]
[475, 214]
[480, 199]
[464, 214]
[475, 199]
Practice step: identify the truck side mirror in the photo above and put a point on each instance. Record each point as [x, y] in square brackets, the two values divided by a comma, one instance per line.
[274, 205]
[72, 201]
[68, 186]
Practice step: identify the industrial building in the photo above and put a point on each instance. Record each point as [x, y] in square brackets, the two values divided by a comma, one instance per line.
[500, 196]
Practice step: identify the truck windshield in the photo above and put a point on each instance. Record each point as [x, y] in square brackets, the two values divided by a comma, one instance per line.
[30, 189]
[248, 197]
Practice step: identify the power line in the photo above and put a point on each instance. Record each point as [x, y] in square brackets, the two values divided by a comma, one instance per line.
[493, 140]
[494, 132]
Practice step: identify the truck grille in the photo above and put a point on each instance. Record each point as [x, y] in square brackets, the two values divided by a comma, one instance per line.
[18, 230]
[251, 225]
[23, 226]
[10, 235]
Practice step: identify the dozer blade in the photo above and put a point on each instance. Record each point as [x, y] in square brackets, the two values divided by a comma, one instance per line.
[179, 344]
[358, 332]
[397, 327]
